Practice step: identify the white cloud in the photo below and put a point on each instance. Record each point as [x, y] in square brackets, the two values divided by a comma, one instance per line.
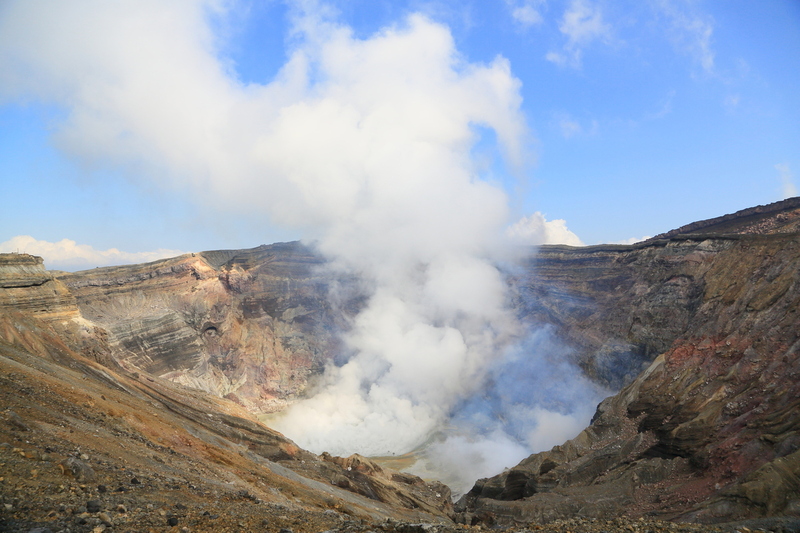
[526, 13]
[557, 58]
[66, 254]
[582, 23]
[789, 189]
[536, 229]
[632, 240]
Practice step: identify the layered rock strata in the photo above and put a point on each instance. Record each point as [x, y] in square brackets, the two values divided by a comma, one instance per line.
[28, 291]
[249, 325]
[28, 288]
[619, 306]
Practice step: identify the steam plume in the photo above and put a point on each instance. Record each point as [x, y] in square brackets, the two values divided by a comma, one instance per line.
[533, 399]
[361, 144]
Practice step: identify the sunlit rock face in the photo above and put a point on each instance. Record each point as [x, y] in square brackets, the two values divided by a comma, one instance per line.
[709, 431]
[249, 325]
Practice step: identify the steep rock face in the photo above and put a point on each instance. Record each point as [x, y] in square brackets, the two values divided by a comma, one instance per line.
[709, 431]
[249, 325]
[255, 325]
[28, 288]
[620, 306]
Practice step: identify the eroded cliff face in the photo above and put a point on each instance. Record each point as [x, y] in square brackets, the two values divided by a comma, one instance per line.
[28, 291]
[256, 325]
[619, 306]
[29, 288]
[251, 325]
[75, 426]
[709, 431]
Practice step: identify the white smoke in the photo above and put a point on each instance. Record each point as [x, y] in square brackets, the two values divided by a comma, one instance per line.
[362, 144]
[533, 398]
[787, 180]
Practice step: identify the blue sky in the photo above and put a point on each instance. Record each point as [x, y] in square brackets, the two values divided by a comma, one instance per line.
[626, 119]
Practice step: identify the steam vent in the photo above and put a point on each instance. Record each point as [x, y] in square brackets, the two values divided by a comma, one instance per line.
[140, 397]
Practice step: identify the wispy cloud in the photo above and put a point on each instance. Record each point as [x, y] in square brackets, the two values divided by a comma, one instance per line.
[664, 107]
[570, 127]
[731, 102]
[67, 254]
[582, 24]
[691, 32]
[526, 13]
[787, 180]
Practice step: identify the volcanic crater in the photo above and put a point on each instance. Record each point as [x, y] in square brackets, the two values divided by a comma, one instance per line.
[131, 395]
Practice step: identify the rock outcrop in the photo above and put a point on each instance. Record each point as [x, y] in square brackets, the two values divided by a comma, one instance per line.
[777, 217]
[29, 292]
[710, 431]
[29, 288]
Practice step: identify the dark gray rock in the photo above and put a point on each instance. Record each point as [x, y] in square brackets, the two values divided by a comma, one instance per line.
[15, 421]
[94, 506]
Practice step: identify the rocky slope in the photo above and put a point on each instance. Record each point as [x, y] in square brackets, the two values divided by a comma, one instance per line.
[778, 217]
[87, 444]
[255, 325]
[710, 431]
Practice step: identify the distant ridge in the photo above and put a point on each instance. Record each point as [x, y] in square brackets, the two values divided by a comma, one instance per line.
[777, 217]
